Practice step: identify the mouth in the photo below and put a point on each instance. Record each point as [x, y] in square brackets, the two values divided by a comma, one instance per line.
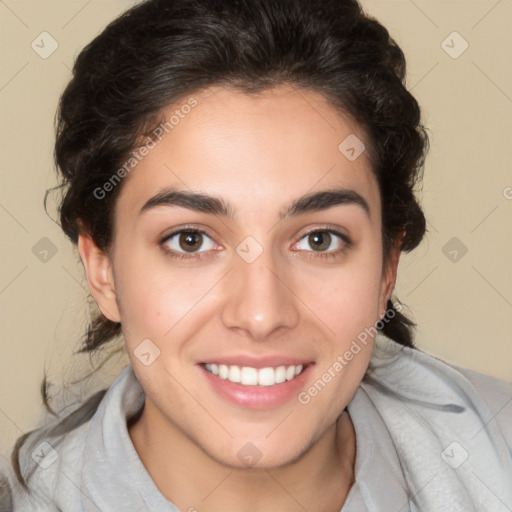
[249, 376]
[264, 385]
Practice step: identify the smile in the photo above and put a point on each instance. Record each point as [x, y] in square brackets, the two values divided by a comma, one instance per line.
[248, 376]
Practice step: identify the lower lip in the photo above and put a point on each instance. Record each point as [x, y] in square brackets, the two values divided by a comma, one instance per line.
[257, 397]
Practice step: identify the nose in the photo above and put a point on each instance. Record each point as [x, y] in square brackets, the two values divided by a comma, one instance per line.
[259, 299]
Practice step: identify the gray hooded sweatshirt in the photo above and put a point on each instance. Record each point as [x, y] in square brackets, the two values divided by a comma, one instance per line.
[430, 437]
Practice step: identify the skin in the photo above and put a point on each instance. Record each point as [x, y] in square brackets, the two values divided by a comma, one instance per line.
[259, 153]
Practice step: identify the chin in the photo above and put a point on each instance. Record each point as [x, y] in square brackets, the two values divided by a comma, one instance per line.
[262, 454]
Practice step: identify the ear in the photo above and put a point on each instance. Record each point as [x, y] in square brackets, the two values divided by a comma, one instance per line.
[388, 280]
[100, 278]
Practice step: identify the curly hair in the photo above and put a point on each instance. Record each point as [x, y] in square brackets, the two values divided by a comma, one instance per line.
[160, 51]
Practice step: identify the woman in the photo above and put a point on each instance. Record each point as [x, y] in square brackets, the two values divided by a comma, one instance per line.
[239, 182]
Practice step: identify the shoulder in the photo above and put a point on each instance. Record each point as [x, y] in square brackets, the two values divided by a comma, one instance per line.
[398, 373]
[5, 485]
[496, 393]
[49, 463]
[50, 458]
[444, 419]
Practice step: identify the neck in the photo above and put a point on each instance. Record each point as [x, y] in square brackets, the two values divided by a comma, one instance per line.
[319, 480]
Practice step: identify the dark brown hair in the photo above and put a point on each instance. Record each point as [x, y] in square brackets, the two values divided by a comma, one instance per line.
[160, 51]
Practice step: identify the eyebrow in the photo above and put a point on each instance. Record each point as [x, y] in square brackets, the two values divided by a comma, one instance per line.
[313, 202]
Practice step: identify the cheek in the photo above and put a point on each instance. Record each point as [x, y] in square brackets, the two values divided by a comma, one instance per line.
[155, 296]
[346, 299]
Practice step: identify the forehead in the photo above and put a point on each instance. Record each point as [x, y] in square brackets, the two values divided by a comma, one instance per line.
[259, 151]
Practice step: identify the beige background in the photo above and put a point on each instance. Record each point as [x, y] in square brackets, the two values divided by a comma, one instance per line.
[463, 308]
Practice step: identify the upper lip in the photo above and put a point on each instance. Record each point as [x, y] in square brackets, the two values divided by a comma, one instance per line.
[257, 362]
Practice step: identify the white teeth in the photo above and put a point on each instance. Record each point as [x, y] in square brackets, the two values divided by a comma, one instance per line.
[212, 368]
[280, 374]
[223, 371]
[234, 374]
[266, 377]
[248, 376]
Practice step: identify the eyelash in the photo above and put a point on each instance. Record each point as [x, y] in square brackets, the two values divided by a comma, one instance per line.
[347, 244]
[346, 241]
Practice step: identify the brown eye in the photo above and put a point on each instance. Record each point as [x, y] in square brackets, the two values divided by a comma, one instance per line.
[187, 241]
[190, 241]
[323, 242]
[319, 240]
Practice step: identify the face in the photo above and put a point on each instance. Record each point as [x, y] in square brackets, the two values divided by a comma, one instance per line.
[240, 294]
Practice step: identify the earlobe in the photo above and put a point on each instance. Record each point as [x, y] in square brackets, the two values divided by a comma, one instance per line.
[100, 279]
